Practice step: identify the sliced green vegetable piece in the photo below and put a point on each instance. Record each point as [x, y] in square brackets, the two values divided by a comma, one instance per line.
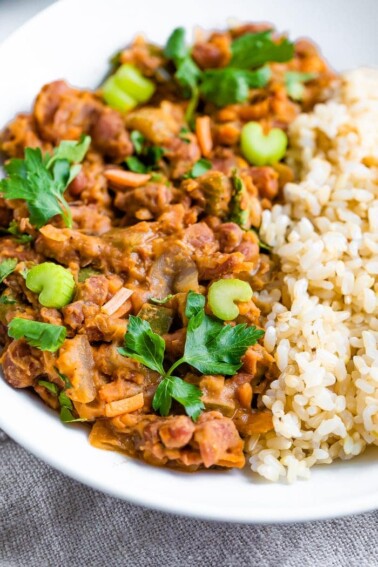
[160, 318]
[129, 79]
[40, 335]
[260, 149]
[116, 98]
[223, 294]
[54, 284]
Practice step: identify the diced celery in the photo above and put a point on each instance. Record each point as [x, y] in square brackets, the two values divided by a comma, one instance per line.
[130, 80]
[115, 97]
[54, 284]
[223, 294]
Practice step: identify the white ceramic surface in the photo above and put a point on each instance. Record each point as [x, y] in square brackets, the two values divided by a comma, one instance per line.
[73, 39]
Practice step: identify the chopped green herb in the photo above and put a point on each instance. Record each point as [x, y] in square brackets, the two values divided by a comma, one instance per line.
[52, 388]
[67, 383]
[14, 229]
[71, 151]
[211, 347]
[134, 164]
[66, 406]
[199, 168]
[86, 273]
[183, 135]
[230, 85]
[7, 267]
[138, 140]
[239, 210]
[143, 345]
[148, 156]
[188, 74]
[41, 181]
[186, 394]
[162, 301]
[43, 336]
[66, 416]
[294, 83]
[175, 48]
[7, 300]
[255, 49]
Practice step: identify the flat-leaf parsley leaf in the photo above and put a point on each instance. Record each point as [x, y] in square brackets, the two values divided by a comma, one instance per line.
[43, 336]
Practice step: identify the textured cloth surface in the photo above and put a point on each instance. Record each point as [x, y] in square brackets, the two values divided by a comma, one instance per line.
[48, 519]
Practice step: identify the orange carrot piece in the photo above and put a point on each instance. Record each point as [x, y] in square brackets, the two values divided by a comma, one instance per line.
[124, 178]
[203, 132]
[127, 405]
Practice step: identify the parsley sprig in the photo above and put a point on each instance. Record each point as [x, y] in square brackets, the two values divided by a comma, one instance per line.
[248, 68]
[211, 347]
[41, 180]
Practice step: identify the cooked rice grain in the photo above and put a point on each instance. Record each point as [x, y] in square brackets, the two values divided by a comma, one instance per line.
[323, 330]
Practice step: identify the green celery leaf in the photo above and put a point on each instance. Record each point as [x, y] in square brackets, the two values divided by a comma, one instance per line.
[255, 49]
[7, 267]
[43, 336]
[143, 345]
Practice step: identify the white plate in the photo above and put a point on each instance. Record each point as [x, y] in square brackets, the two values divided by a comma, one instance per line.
[73, 39]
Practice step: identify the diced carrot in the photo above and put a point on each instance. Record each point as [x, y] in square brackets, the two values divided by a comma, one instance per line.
[203, 132]
[245, 394]
[127, 405]
[124, 178]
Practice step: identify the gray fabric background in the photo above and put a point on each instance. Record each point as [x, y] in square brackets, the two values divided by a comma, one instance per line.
[47, 519]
